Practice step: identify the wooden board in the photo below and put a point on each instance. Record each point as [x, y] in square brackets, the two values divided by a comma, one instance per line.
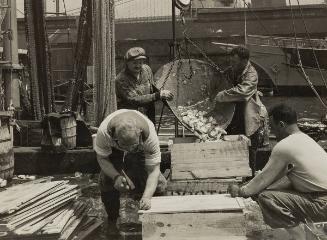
[196, 225]
[194, 203]
[210, 160]
[203, 186]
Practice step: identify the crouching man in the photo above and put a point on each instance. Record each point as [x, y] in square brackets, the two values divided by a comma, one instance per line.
[128, 153]
[292, 187]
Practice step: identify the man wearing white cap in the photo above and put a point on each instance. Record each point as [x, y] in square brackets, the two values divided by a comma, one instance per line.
[134, 85]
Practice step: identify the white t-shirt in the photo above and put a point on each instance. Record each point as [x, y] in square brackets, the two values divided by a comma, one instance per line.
[104, 143]
[299, 158]
[309, 161]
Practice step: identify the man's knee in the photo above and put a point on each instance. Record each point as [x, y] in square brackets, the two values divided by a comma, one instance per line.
[265, 197]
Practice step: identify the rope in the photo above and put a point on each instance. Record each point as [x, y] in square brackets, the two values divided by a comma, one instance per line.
[300, 62]
[311, 46]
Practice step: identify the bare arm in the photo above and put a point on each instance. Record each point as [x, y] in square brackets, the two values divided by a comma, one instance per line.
[152, 181]
[107, 167]
[273, 171]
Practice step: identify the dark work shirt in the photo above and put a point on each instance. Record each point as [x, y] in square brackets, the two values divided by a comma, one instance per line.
[137, 94]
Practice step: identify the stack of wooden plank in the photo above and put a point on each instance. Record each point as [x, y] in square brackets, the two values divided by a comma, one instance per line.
[41, 210]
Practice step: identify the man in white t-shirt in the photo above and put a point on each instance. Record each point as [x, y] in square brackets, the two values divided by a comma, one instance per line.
[128, 153]
[292, 187]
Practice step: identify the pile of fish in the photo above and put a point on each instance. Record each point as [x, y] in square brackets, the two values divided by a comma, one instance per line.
[314, 128]
[203, 126]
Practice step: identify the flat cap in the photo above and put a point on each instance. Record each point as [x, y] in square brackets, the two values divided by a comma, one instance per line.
[135, 53]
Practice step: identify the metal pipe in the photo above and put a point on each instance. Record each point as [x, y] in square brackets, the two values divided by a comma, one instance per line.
[57, 7]
[173, 19]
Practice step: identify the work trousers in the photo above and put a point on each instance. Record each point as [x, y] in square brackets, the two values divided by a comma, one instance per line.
[134, 166]
[258, 139]
[287, 209]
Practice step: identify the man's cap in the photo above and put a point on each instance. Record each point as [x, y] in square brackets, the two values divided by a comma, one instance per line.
[135, 53]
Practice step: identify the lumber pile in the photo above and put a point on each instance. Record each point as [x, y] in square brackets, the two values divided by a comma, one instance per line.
[43, 210]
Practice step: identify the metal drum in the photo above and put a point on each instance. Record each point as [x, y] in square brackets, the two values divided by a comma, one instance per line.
[193, 82]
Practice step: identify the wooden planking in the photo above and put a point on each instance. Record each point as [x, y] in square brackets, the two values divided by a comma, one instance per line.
[193, 226]
[220, 159]
[201, 185]
[203, 173]
[222, 172]
[193, 203]
[208, 165]
[197, 155]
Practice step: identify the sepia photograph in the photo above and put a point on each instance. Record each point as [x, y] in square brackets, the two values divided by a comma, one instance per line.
[163, 120]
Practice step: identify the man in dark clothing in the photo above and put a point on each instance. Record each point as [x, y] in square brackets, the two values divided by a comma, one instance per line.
[250, 117]
[134, 85]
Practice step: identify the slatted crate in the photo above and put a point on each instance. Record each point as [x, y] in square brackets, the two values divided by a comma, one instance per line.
[205, 217]
[224, 159]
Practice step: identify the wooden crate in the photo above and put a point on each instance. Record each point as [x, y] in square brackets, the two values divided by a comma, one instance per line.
[200, 217]
[30, 133]
[229, 158]
[200, 187]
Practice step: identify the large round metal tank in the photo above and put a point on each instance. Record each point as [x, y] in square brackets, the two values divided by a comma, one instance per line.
[193, 82]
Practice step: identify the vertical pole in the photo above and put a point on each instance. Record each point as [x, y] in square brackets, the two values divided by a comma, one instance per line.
[45, 6]
[57, 8]
[11, 55]
[173, 6]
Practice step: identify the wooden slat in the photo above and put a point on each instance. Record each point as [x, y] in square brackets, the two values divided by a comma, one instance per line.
[195, 186]
[203, 174]
[193, 226]
[193, 203]
[220, 159]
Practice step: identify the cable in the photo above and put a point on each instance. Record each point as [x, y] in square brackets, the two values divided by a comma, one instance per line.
[300, 62]
[314, 53]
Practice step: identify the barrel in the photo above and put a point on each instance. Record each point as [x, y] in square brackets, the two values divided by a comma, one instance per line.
[6, 152]
[68, 131]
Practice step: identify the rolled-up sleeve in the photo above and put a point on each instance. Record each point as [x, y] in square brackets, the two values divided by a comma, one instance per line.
[152, 149]
[102, 144]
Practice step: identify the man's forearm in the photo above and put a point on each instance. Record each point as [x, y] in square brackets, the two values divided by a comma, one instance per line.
[107, 167]
[151, 183]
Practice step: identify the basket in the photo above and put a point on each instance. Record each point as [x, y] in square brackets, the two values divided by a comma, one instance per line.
[68, 131]
[6, 153]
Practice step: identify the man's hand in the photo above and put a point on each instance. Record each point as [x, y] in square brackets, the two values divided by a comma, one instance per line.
[145, 203]
[121, 184]
[219, 96]
[234, 190]
[166, 95]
